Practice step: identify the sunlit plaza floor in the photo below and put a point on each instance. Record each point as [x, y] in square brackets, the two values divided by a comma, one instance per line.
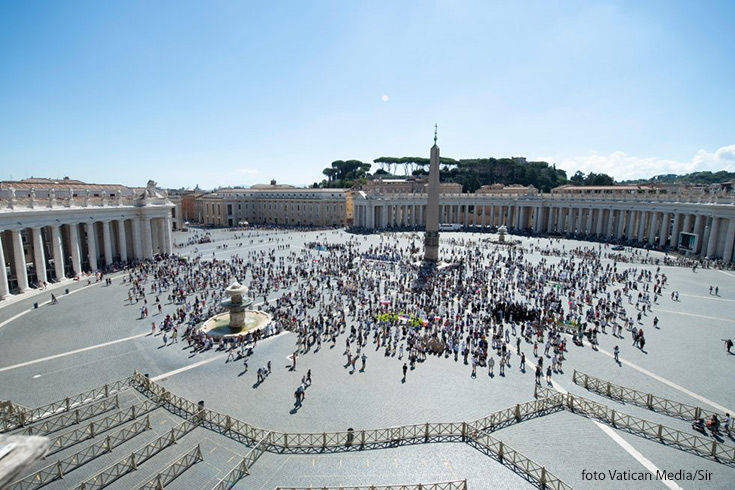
[93, 336]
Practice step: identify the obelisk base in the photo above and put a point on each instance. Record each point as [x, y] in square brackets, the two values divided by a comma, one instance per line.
[431, 246]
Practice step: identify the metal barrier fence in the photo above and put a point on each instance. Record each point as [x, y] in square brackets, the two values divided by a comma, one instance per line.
[447, 485]
[282, 442]
[29, 416]
[174, 469]
[67, 419]
[93, 429]
[11, 412]
[57, 470]
[136, 458]
[699, 445]
[508, 456]
[241, 469]
[645, 400]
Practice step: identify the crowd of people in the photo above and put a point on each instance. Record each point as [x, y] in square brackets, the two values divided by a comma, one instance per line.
[495, 304]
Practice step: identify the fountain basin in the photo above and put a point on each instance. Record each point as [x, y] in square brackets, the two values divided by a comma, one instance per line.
[220, 326]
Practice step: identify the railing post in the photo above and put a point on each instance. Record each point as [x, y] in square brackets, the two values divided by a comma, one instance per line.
[107, 391]
[649, 401]
[132, 462]
[613, 417]
[324, 439]
[500, 451]
[159, 485]
[132, 412]
[464, 431]
[173, 436]
[285, 440]
[608, 389]
[76, 416]
[91, 429]
[586, 382]
[148, 422]
[228, 423]
[570, 401]
[518, 412]
[697, 413]
[108, 444]
[543, 476]
[68, 404]
[714, 448]
[59, 470]
[660, 429]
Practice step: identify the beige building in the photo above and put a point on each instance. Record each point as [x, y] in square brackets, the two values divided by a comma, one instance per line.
[408, 185]
[275, 204]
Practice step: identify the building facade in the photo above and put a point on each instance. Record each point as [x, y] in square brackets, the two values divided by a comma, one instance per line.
[695, 222]
[275, 205]
[56, 229]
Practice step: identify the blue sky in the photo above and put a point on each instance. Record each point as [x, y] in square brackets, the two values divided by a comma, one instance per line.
[222, 93]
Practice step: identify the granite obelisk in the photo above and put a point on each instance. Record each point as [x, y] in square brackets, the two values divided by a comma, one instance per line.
[431, 235]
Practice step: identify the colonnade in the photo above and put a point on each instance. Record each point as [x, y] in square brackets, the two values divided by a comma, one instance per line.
[50, 248]
[703, 229]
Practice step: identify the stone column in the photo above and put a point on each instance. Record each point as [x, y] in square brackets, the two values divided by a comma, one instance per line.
[687, 223]
[39, 257]
[674, 243]
[573, 220]
[492, 215]
[137, 239]
[652, 227]
[57, 251]
[699, 230]
[550, 221]
[162, 235]
[729, 241]
[630, 229]
[621, 224]
[590, 220]
[600, 221]
[91, 246]
[610, 223]
[107, 242]
[145, 229]
[641, 234]
[384, 216]
[168, 237]
[4, 288]
[712, 242]
[76, 249]
[122, 242]
[665, 220]
[21, 272]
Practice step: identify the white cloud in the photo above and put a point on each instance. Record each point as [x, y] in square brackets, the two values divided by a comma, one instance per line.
[622, 166]
[384, 98]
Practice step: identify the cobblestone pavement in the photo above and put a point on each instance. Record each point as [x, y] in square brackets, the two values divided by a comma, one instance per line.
[685, 360]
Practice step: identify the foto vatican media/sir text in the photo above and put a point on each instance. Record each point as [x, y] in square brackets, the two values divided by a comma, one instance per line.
[661, 475]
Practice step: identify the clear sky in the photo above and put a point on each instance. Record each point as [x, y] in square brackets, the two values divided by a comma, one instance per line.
[223, 93]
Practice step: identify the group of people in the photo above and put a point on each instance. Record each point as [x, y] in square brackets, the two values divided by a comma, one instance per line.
[494, 304]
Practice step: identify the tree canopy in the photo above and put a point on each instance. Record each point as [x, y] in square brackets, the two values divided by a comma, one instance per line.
[471, 173]
[345, 173]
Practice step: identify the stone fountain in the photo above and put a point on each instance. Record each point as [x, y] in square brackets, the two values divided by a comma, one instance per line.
[238, 319]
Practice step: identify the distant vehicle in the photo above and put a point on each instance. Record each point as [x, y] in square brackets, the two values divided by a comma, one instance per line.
[450, 226]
